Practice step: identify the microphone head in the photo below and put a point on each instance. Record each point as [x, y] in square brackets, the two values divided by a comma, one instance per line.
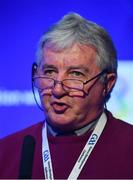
[27, 157]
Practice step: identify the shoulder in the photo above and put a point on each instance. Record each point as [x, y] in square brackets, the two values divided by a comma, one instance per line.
[118, 126]
[11, 149]
[17, 138]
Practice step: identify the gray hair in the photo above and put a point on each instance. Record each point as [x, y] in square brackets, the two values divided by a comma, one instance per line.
[73, 28]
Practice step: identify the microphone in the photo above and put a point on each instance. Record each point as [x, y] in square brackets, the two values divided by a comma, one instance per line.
[27, 157]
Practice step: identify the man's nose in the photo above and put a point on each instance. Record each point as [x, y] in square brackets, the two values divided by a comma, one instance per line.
[58, 90]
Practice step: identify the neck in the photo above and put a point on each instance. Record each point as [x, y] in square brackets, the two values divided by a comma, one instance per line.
[80, 131]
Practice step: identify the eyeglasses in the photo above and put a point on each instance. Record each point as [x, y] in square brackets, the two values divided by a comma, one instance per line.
[69, 85]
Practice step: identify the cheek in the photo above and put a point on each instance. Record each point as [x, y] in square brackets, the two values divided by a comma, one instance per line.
[96, 96]
[80, 105]
[92, 100]
[45, 101]
[94, 91]
[45, 96]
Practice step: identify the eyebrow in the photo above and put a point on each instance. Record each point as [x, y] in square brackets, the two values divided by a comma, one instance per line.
[44, 66]
[82, 67]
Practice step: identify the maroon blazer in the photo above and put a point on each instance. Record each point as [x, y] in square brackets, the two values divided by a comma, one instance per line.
[112, 157]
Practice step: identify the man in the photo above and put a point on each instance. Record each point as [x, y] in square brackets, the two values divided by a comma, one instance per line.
[75, 72]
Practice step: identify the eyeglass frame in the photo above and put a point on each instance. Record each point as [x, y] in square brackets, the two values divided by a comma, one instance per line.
[34, 69]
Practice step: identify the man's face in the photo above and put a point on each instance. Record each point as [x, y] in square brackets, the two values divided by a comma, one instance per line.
[68, 111]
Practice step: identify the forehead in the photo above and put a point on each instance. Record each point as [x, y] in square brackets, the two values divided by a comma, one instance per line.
[76, 55]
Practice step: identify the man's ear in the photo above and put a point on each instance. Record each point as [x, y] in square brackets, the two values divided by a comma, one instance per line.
[34, 69]
[109, 82]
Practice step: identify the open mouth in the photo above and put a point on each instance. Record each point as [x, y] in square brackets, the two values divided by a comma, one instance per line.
[59, 107]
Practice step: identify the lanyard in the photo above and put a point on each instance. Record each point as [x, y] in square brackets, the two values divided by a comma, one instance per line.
[90, 144]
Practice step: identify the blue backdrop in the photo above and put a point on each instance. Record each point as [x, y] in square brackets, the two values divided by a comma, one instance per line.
[22, 22]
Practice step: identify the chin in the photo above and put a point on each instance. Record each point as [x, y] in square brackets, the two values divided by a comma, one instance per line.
[61, 122]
